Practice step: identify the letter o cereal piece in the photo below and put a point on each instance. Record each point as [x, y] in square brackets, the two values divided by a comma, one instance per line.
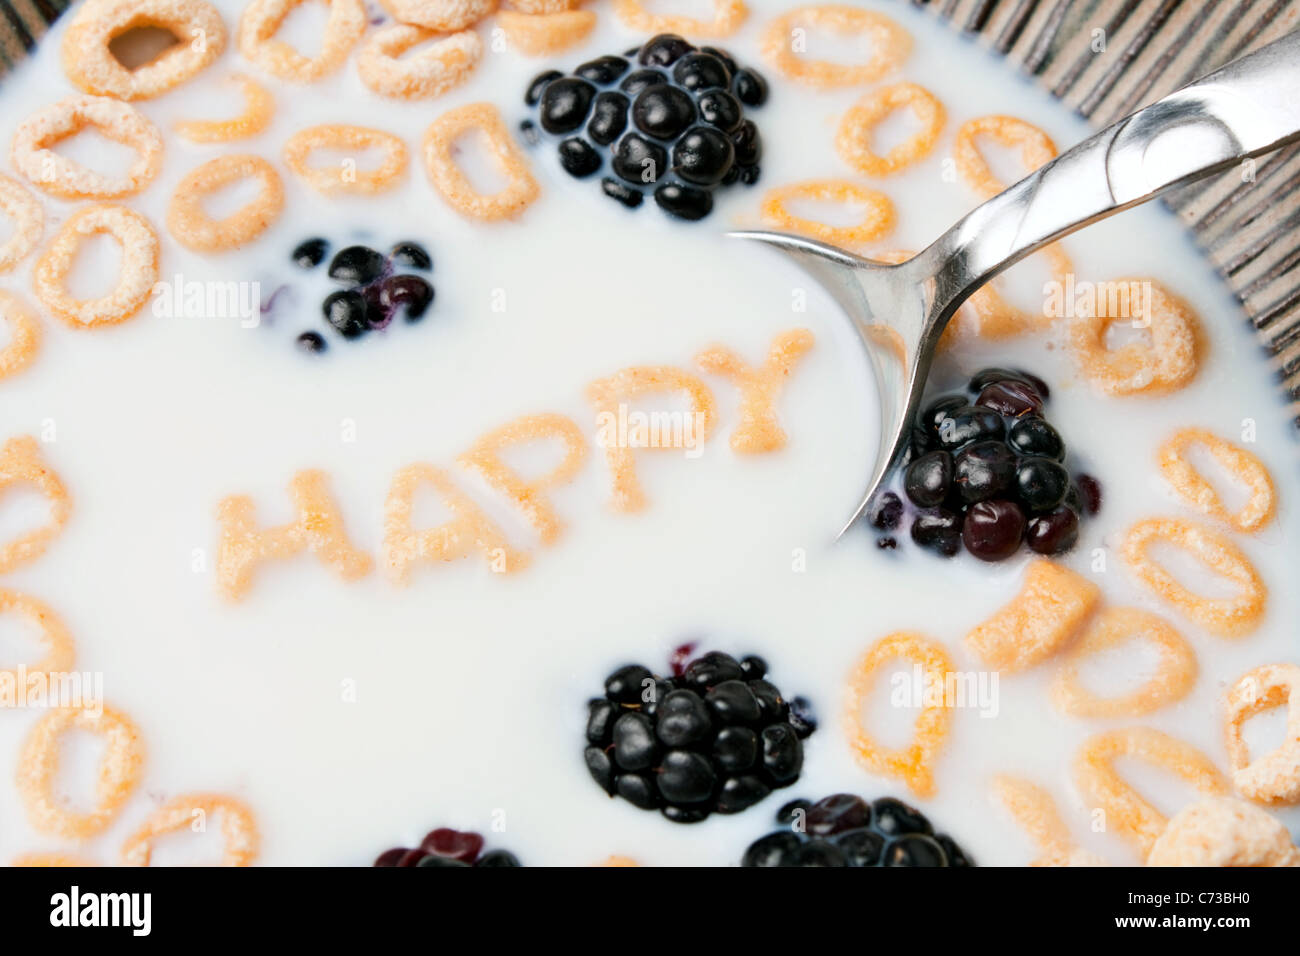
[728, 15]
[1273, 777]
[1127, 811]
[1198, 492]
[92, 67]
[878, 216]
[1220, 832]
[443, 16]
[54, 635]
[24, 335]
[441, 65]
[28, 218]
[1036, 148]
[301, 144]
[195, 229]
[890, 45]
[853, 139]
[912, 763]
[258, 107]
[1167, 364]
[1111, 628]
[1226, 617]
[446, 175]
[119, 770]
[539, 34]
[21, 464]
[137, 275]
[262, 19]
[59, 176]
[238, 828]
[1052, 605]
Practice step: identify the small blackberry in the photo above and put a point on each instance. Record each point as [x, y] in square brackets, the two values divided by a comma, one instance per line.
[846, 830]
[672, 125]
[447, 847]
[717, 736]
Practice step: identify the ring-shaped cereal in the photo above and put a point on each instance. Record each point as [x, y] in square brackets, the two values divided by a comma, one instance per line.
[28, 218]
[1127, 811]
[1166, 364]
[890, 45]
[259, 105]
[238, 828]
[119, 770]
[446, 175]
[1273, 777]
[878, 216]
[344, 179]
[1200, 494]
[1222, 832]
[540, 34]
[912, 763]
[853, 138]
[728, 15]
[137, 274]
[441, 65]
[195, 229]
[1036, 148]
[21, 464]
[443, 16]
[59, 176]
[1226, 617]
[92, 67]
[53, 634]
[1109, 629]
[262, 20]
[24, 335]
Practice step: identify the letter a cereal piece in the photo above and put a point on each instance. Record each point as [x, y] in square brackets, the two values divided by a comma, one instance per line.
[758, 430]
[21, 464]
[318, 528]
[1052, 605]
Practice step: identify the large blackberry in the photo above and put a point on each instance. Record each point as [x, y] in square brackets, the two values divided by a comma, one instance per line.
[447, 847]
[670, 119]
[845, 830]
[715, 736]
[985, 469]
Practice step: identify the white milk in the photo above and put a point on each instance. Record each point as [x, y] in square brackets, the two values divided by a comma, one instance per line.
[470, 686]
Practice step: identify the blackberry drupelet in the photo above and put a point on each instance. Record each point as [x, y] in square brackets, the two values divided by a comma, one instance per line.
[447, 847]
[846, 830]
[669, 118]
[716, 736]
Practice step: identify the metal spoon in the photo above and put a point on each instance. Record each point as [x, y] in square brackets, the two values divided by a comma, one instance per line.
[1247, 108]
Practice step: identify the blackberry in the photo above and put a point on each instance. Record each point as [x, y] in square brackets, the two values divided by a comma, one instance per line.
[669, 117]
[447, 847]
[717, 737]
[310, 253]
[846, 830]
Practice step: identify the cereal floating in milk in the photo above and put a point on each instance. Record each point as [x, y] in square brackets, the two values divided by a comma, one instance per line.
[1193, 487]
[238, 828]
[23, 465]
[1052, 605]
[758, 430]
[1222, 831]
[853, 141]
[1272, 777]
[259, 107]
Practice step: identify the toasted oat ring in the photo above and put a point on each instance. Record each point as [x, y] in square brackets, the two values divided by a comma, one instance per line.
[237, 827]
[24, 334]
[890, 45]
[444, 16]
[1198, 492]
[54, 635]
[119, 770]
[443, 64]
[1226, 617]
[540, 34]
[138, 273]
[878, 216]
[195, 229]
[258, 107]
[446, 175]
[1110, 628]
[28, 218]
[92, 67]
[121, 122]
[1220, 832]
[1273, 777]
[911, 763]
[1036, 148]
[1167, 364]
[1126, 809]
[853, 139]
[301, 144]
[728, 15]
[262, 19]
[21, 464]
